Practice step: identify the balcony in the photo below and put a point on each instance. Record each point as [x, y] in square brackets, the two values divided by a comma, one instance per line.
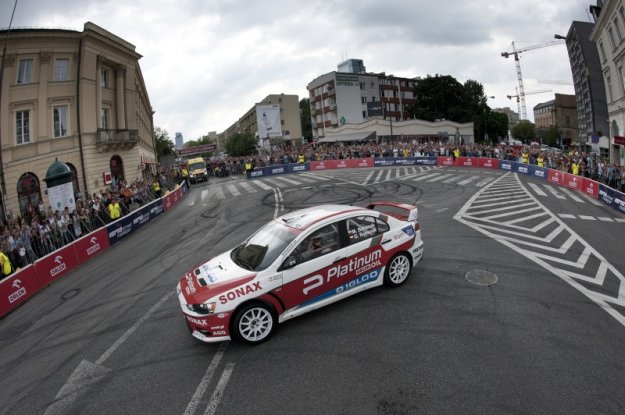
[114, 140]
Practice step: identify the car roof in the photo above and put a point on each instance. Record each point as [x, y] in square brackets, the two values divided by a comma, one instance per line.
[303, 218]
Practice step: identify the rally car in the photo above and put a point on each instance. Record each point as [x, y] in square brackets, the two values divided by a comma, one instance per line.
[296, 263]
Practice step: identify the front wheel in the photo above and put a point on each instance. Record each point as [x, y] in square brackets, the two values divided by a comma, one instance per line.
[397, 270]
[254, 323]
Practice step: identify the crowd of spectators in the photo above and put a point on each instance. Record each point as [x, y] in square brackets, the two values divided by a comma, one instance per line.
[41, 230]
[585, 164]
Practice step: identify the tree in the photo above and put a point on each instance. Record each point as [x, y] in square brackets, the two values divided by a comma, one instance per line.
[241, 144]
[304, 113]
[164, 145]
[524, 131]
[441, 96]
[552, 137]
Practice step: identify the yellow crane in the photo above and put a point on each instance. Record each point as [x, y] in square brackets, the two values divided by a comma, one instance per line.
[517, 60]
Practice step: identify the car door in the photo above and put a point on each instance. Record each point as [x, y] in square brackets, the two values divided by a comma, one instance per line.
[311, 275]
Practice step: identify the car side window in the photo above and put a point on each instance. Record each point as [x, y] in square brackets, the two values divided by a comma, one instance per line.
[360, 228]
[318, 243]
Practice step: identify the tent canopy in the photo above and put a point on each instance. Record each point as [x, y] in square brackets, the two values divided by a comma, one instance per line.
[367, 135]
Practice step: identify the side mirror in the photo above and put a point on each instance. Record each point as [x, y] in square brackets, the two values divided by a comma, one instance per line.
[289, 262]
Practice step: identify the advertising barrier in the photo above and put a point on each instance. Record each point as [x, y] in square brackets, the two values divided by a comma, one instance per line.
[488, 163]
[297, 167]
[91, 245]
[573, 181]
[17, 288]
[119, 229]
[146, 213]
[53, 266]
[590, 188]
[170, 199]
[539, 172]
[555, 176]
[446, 161]
[404, 161]
[341, 164]
[507, 165]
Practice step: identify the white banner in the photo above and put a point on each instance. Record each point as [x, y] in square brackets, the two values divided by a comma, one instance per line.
[268, 120]
[62, 196]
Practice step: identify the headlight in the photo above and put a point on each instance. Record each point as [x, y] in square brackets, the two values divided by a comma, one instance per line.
[202, 308]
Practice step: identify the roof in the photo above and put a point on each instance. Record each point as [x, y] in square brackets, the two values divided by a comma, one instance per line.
[302, 219]
[366, 135]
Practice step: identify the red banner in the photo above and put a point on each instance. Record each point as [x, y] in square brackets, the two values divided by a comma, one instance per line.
[444, 161]
[341, 164]
[590, 188]
[55, 265]
[488, 163]
[170, 199]
[573, 181]
[18, 288]
[555, 176]
[467, 162]
[91, 245]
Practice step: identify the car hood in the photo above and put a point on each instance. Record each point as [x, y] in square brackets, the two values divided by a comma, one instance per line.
[212, 278]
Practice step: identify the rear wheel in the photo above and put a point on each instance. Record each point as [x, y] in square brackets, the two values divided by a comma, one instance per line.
[254, 323]
[397, 270]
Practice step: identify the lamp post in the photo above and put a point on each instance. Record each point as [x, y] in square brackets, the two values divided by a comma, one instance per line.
[484, 119]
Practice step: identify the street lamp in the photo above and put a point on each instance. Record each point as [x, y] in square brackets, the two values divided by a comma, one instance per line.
[557, 36]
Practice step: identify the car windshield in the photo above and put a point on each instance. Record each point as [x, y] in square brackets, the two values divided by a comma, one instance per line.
[197, 166]
[261, 249]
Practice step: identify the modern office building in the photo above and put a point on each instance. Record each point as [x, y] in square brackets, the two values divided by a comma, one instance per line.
[560, 112]
[286, 126]
[179, 141]
[76, 97]
[592, 109]
[352, 96]
[609, 36]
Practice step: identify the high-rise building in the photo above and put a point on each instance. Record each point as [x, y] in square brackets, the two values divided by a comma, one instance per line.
[592, 110]
[78, 97]
[179, 141]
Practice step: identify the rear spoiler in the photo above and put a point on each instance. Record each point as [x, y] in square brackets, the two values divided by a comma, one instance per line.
[401, 211]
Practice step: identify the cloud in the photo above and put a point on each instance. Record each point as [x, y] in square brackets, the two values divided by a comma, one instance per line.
[206, 63]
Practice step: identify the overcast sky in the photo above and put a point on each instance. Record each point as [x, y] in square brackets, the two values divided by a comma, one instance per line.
[206, 62]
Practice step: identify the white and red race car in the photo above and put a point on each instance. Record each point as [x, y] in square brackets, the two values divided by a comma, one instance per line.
[296, 263]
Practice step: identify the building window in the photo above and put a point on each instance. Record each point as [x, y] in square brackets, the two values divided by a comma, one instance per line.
[25, 72]
[609, 87]
[612, 41]
[28, 194]
[22, 126]
[59, 115]
[601, 52]
[364, 114]
[61, 69]
[363, 100]
[104, 78]
[105, 118]
[618, 30]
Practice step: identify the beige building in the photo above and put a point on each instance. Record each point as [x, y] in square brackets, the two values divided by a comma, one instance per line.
[290, 122]
[78, 97]
[560, 112]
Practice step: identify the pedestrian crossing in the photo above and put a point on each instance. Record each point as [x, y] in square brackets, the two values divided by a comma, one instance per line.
[421, 175]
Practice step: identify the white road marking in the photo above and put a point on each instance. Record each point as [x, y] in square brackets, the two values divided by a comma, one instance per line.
[248, 188]
[219, 193]
[235, 192]
[571, 194]
[469, 180]
[605, 219]
[87, 373]
[262, 185]
[428, 176]
[586, 217]
[435, 179]
[537, 189]
[592, 200]
[286, 179]
[542, 254]
[368, 177]
[554, 192]
[452, 179]
[620, 220]
[219, 390]
[566, 216]
[201, 388]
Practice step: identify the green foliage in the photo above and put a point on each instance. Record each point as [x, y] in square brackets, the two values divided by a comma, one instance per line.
[524, 131]
[304, 113]
[241, 144]
[441, 96]
[164, 145]
[551, 136]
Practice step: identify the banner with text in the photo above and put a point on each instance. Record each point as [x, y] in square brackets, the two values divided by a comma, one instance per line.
[53, 266]
[341, 164]
[17, 288]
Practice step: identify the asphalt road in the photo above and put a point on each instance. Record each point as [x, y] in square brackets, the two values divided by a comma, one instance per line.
[542, 330]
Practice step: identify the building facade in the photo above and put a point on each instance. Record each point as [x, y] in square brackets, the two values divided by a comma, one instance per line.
[609, 36]
[513, 117]
[592, 109]
[290, 128]
[338, 98]
[76, 97]
[560, 112]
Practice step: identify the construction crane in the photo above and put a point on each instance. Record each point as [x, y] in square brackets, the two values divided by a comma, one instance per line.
[518, 97]
[516, 52]
[556, 82]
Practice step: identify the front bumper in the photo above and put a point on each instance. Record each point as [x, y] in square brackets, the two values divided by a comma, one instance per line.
[209, 328]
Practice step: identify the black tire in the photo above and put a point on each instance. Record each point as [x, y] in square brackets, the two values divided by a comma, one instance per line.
[254, 323]
[397, 270]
